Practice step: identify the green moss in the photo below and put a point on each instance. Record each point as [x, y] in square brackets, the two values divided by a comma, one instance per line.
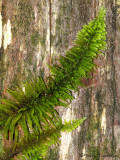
[35, 38]
[15, 82]
[35, 68]
[2, 70]
[94, 152]
[30, 57]
[58, 25]
[105, 149]
[88, 2]
[25, 16]
[52, 39]
[94, 126]
[42, 72]
[28, 73]
[94, 120]
[4, 17]
[1, 143]
[43, 40]
[53, 153]
[62, 29]
[59, 42]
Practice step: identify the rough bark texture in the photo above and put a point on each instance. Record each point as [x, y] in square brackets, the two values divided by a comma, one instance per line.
[33, 33]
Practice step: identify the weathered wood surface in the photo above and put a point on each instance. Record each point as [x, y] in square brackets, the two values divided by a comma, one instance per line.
[33, 33]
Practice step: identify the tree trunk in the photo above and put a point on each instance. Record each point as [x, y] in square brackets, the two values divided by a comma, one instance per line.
[33, 33]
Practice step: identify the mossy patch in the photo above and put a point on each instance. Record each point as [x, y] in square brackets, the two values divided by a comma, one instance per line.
[53, 153]
[94, 153]
[24, 17]
[35, 38]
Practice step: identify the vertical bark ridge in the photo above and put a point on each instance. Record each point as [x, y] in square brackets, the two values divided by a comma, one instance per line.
[113, 80]
[50, 27]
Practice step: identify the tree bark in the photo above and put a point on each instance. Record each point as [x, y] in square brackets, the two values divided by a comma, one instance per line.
[33, 33]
